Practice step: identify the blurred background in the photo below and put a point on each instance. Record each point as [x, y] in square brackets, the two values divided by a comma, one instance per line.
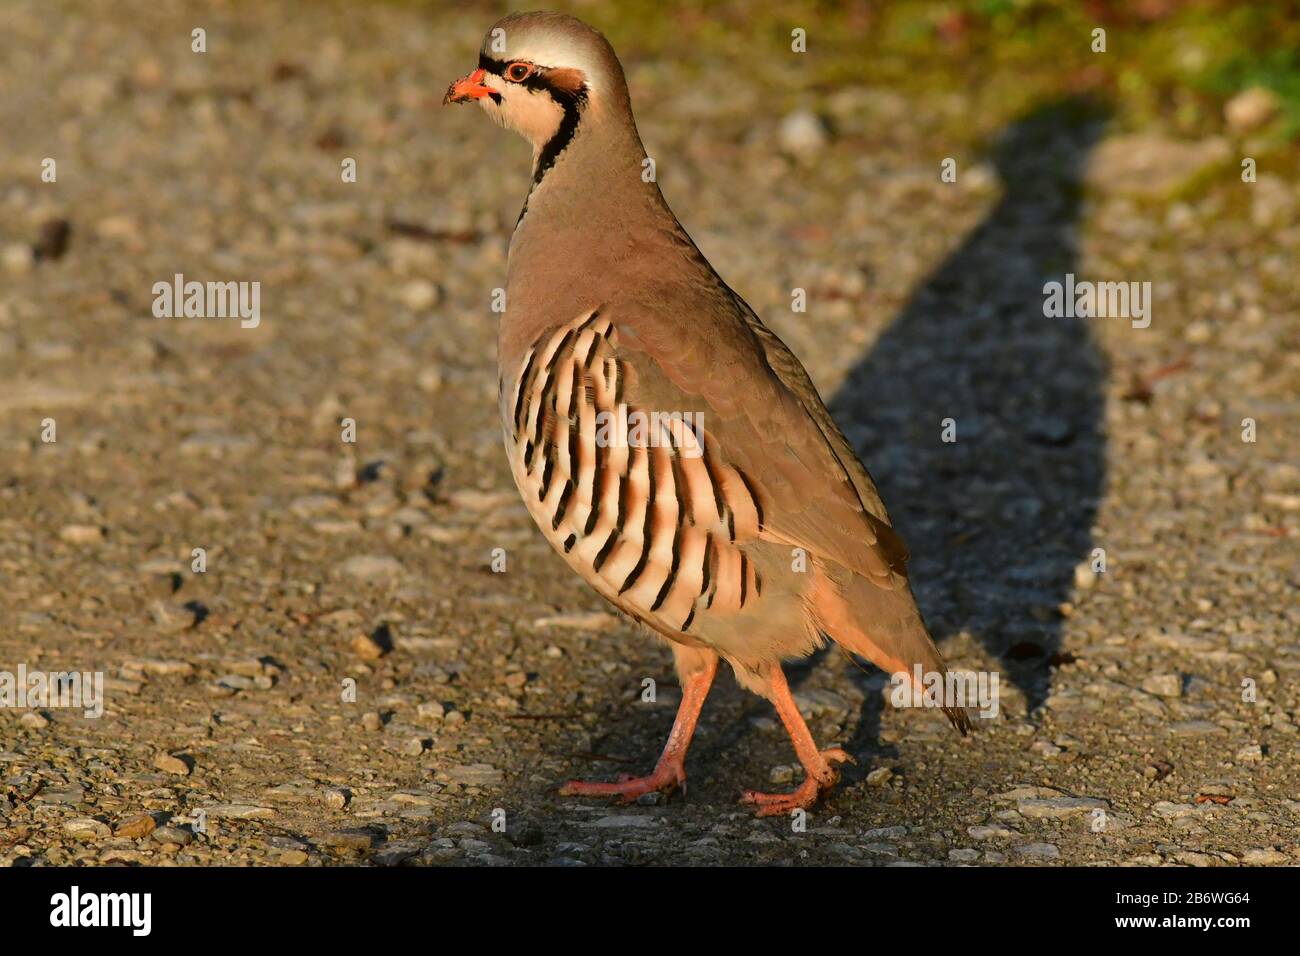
[226, 737]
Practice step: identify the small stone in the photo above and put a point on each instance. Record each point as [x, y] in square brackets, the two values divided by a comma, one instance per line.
[118, 229]
[34, 720]
[1164, 685]
[177, 835]
[431, 710]
[803, 134]
[371, 568]
[347, 839]
[885, 833]
[395, 855]
[1039, 851]
[1252, 753]
[293, 857]
[1266, 856]
[429, 378]
[170, 764]
[1028, 793]
[1058, 808]
[991, 832]
[1195, 728]
[623, 821]
[166, 668]
[419, 294]
[472, 499]
[137, 827]
[880, 776]
[1199, 333]
[1084, 576]
[341, 619]
[17, 258]
[1195, 858]
[781, 774]
[1250, 109]
[66, 796]
[1173, 811]
[464, 828]
[345, 473]
[239, 811]
[472, 775]
[81, 533]
[371, 721]
[595, 621]
[822, 702]
[336, 798]
[414, 747]
[249, 666]
[367, 648]
[86, 828]
[964, 855]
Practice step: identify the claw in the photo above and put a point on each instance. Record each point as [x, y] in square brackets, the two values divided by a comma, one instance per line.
[664, 779]
[669, 773]
[807, 793]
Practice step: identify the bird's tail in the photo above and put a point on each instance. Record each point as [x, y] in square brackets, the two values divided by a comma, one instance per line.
[886, 628]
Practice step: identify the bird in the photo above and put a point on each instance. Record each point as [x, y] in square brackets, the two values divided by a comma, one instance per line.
[669, 446]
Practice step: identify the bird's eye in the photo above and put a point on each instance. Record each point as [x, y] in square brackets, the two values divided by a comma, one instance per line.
[518, 72]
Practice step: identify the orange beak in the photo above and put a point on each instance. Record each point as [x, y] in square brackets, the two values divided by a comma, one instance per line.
[468, 88]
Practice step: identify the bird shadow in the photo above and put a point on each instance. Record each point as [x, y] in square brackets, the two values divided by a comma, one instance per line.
[997, 520]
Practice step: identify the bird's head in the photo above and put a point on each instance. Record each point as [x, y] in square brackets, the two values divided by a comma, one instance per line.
[540, 74]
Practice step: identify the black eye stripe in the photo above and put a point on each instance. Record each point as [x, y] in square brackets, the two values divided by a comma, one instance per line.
[499, 68]
[535, 80]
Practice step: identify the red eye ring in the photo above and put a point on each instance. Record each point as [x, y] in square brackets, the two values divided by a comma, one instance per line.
[519, 71]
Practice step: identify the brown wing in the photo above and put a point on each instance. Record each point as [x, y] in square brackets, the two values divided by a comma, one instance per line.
[765, 420]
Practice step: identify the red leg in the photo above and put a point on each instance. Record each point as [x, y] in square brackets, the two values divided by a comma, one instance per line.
[820, 775]
[670, 772]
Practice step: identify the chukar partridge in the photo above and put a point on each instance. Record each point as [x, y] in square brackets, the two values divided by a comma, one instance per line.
[668, 445]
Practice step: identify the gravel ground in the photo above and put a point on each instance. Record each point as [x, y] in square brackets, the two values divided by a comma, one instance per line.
[349, 682]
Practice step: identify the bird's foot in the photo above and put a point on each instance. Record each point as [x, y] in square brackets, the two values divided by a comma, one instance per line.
[666, 778]
[814, 785]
